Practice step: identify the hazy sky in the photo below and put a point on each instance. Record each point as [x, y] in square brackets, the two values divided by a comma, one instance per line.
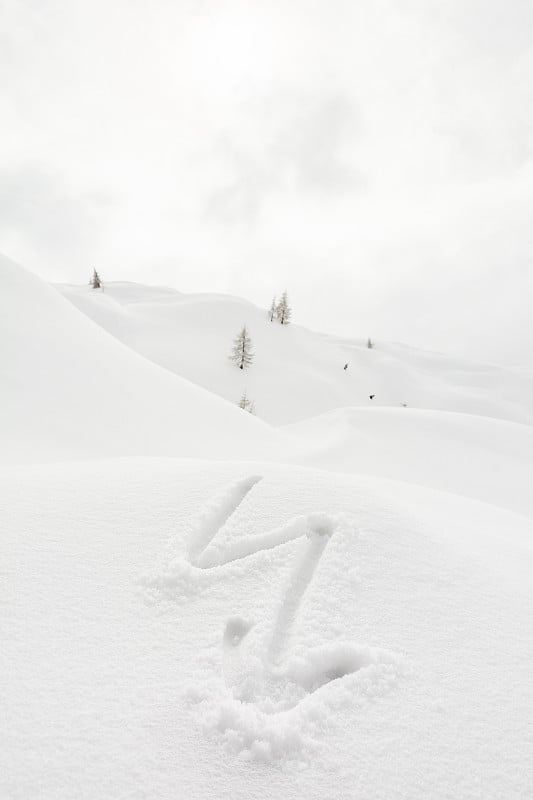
[373, 157]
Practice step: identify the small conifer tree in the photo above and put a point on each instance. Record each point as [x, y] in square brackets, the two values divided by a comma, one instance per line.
[95, 281]
[242, 353]
[246, 404]
[283, 310]
[370, 343]
[273, 310]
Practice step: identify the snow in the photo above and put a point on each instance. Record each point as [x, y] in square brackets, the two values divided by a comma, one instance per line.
[197, 604]
[297, 373]
[482, 458]
[69, 390]
[127, 671]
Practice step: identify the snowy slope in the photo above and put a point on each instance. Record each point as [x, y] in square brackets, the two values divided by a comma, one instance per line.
[150, 650]
[297, 373]
[72, 391]
[226, 625]
[69, 390]
[487, 459]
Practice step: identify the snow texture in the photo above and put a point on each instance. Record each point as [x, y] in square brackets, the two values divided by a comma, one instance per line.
[183, 615]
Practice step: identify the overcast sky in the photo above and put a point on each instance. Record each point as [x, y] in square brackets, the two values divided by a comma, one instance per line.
[372, 157]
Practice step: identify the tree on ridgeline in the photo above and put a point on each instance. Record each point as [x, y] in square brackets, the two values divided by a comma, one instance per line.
[370, 343]
[242, 353]
[283, 310]
[95, 281]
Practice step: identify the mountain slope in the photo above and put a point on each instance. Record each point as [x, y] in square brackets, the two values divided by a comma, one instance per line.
[69, 390]
[297, 373]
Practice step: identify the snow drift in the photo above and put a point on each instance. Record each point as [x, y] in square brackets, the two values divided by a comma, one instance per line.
[69, 390]
[378, 649]
[487, 459]
[297, 373]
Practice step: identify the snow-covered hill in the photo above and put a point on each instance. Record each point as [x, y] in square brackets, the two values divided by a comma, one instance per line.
[69, 390]
[297, 373]
[478, 457]
[333, 609]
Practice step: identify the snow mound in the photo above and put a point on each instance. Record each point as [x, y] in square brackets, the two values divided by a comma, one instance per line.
[354, 638]
[69, 390]
[297, 373]
[487, 459]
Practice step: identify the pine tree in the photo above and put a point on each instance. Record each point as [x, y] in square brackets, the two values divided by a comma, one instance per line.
[283, 310]
[242, 354]
[245, 404]
[95, 281]
[369, 344]
[273, 310]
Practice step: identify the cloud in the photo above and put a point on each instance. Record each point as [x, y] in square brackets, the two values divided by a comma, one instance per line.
[43, 219]
[299, 144]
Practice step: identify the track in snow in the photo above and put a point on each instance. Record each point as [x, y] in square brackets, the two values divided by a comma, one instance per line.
[263, 672]
[272, 697]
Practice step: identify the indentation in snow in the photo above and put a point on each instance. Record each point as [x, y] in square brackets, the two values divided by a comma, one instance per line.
[270, 702]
